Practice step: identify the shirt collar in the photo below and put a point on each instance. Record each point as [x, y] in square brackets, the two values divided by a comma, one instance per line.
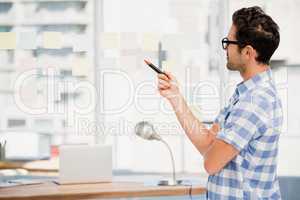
[254, 81]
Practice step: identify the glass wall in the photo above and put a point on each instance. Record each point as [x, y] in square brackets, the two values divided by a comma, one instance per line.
[174, 35]
[46, 60]
[73, 72]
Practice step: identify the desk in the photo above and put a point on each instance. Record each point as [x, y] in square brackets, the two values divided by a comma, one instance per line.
[50, 190]
[33, 166]
[121, 187]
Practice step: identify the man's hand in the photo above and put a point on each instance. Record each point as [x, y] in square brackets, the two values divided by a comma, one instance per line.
[168, 86]
[217, 153]
[215, 129]
[199, 135]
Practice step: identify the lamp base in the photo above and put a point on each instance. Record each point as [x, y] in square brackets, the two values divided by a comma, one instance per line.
[169, 182]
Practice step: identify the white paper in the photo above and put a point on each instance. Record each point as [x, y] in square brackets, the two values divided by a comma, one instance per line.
[129, 41]
[81, 43]
[27, 40]
[128, 62]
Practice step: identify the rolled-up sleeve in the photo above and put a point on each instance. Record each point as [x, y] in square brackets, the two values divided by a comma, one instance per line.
[241, 124]
[220, 118]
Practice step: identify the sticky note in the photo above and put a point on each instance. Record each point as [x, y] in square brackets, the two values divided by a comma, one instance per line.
[7, 40]
[27, 40]
[48, 62]
[128, 62]
[192, 41]
[108, 62]
[190, 25]
[52, 40]
[149, 55]
[25, 63]
[150, 41]
[6, 81]
[110, 40]
[29, 92]
[81, 43]
[129, 41]
[192, 57]
[168, 65]
[111, 53]
[186, 41]
[172, 41]
[80, 67]
[185, 9]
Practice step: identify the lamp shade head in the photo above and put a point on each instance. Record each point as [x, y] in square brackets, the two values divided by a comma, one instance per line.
[146, 131]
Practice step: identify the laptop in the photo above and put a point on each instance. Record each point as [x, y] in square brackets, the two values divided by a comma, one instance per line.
[85, 164]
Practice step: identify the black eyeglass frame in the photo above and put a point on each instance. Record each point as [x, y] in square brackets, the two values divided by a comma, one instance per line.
[226, 42]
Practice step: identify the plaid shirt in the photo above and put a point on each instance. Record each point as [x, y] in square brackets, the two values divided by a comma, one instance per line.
[251, 123]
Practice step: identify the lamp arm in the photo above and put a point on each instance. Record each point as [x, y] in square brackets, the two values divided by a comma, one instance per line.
[172, 159]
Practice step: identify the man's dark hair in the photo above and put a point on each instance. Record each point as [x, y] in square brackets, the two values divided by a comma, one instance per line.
[257, 29]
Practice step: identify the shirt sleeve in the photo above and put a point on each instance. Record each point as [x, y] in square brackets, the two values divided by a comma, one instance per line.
[221, 116]
[241, 124]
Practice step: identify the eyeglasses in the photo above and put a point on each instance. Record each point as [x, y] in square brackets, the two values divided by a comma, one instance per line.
[226, 42]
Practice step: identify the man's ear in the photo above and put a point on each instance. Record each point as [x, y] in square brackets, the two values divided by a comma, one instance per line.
[249, 52]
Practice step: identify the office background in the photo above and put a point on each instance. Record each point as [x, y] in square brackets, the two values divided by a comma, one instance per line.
[72, 71]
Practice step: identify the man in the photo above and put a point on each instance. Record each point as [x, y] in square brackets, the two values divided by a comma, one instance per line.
[240, 149]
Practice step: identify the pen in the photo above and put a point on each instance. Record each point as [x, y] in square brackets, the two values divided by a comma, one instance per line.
[159, 71]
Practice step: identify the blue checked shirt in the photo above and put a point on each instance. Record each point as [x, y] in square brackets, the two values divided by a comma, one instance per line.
[251, 123]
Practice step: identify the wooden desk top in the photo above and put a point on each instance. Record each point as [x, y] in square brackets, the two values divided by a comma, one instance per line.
[50, 190]
[33, 166]
[117, 189]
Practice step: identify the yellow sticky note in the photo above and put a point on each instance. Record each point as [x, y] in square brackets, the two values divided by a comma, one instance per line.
[52, 40]
[167, 65]
[80, 67]
[29, 92]
[172, 41]
[150, 42]
[7, 40]
[128, 62]
[110, 40]
[129, 41]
